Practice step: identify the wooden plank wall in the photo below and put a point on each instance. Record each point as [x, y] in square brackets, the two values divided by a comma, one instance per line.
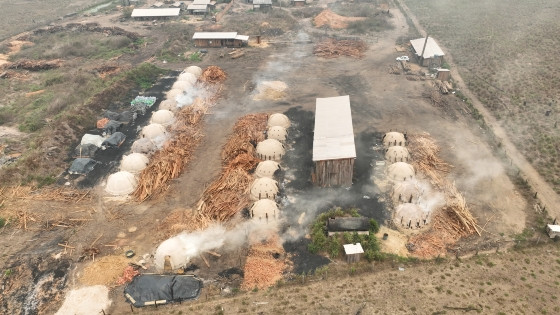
[330, 173]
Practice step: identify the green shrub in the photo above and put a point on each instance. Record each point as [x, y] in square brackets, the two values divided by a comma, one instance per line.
[2, 222]
[145, 74]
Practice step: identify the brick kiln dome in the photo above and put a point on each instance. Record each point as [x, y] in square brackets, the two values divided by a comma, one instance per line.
[163, 117]
[144, 146]
[182, 85]
[407, 191]
[279, 120]
[153, 131]
[410, 215]
[266, 169]
[277, 132]
[264, 188]
[397, 154]
[197, 71]
[270, 149]
[188, 77]
[169, 104]
[393, 138]
[134, 163]
[400, 171]
[264, 208]
[121, 183]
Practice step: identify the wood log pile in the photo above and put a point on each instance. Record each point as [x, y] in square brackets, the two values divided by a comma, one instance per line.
[45, 194]
[435, 97]
[332, 48]
[449, 223]
[229, 194]
[168, 163]
[213, 75]
[265, 264]
[442, 87]
[35, 65]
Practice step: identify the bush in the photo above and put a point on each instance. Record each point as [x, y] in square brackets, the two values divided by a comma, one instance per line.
[374, 226]
[145, 74]
[370, 24]
[2, 222]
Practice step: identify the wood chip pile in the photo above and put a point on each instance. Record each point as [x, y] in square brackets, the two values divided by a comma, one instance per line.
[229, 194]
[213, 74]
[104, 271]
[452, 221]
[332, 48]
[262, 269]
[46, 194]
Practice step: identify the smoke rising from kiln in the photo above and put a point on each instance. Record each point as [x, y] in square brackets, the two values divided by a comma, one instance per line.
[189, 95]
[183, 247]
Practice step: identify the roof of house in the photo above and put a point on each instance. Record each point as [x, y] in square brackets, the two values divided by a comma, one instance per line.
[197, 7]
[348, 224]
[350, 249]
[219, 35]
[432, 48]
[262, 2]
[156, 12]
[554, 228]
[201, 2]
[334, 135]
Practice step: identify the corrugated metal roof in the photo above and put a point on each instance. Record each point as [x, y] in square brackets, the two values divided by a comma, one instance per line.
[214, 35]
[334, 135]
[201, 2]
[262, 2]
[351, 249]
[197, 7]
[156, 12]
[432, 48]
[554, 228]
[242, 37]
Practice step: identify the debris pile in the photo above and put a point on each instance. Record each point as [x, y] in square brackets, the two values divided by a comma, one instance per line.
[333, 20]
[128, 274]
[332, 48]
[213, 74]
[425, 158]
[35, 65]
[88, 27]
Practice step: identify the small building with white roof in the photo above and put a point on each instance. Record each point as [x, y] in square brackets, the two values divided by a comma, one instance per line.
[219, 39]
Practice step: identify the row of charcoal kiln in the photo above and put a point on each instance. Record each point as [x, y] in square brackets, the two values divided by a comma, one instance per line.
[264, 188]
[153, 136]
[407, 191]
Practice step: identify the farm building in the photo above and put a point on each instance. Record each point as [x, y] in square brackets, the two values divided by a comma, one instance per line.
[155, 13]
[219, 39]
[198, 9]
[262, 5]
[298, 3]
[338, 225]
[334, 150]
[427, 51]
[353, 252]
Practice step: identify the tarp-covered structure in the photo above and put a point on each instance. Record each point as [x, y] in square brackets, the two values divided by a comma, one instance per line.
[85, 150]
[82, 166]
[114, 141]
[334, 150]
[152, 289]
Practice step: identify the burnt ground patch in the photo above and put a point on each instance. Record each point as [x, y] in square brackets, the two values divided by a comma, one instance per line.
[302, 201]
[110, 158]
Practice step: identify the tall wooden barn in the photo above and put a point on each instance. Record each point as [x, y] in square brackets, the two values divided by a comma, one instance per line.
[334, 150]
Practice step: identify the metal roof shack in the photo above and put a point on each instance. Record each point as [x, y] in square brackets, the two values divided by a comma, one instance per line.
[353, 252]
[155, 13]
[553, 230]
[298, 3]
[219, 39]
[197, 8]
[433, 55]
[337, 225]
[262, 4]
[334, 150]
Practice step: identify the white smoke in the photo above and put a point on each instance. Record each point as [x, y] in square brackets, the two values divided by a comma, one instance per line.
[185, 246]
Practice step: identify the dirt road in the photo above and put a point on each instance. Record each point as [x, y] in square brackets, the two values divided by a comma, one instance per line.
[546, 195]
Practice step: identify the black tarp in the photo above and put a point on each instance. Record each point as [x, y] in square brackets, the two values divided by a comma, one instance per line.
[114, 141]
[82, 166]
[147, 289]
[112, 126]
[124, 117]
[85, 150]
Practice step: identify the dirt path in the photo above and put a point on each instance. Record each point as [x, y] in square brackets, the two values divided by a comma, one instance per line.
[545, 194]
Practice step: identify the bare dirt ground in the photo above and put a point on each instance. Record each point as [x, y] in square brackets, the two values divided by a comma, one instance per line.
[380, 102]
